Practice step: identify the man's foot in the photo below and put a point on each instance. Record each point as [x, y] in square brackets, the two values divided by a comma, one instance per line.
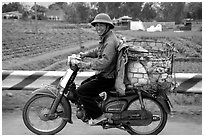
[97, 120]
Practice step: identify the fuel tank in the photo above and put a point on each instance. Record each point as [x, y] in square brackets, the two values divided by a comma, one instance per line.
[115, 104]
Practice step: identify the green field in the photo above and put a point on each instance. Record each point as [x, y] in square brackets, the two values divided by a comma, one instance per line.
[188, 59]
[20, 44]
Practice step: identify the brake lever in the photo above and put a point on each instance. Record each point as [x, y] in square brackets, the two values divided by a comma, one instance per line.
[73, 59]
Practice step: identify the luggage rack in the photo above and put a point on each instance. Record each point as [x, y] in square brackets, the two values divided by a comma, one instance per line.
[156, 57]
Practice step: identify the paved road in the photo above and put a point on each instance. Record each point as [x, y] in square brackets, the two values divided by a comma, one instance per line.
[12, 124]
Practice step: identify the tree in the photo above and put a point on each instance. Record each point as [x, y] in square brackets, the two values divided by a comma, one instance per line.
[113, 9]
[179, 13]
[173, 11]
[158, 10]
[74, 12]
[70, 13]
[13, 6]
[102, 7]
[194, 10]
[40, 12]
[58, 5]
[82, 11]
[40, 9]
[132, 9]
[16, 6]
[148, 12]
[118, 9]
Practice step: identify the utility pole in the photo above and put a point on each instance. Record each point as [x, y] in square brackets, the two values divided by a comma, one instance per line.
[36, 29]
[78, 29]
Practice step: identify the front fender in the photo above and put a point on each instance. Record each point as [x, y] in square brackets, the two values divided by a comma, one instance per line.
[52, 91]
[47, 90]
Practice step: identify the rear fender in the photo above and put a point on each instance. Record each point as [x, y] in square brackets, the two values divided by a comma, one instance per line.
[165, 104]
[53, 92]
[162, 101]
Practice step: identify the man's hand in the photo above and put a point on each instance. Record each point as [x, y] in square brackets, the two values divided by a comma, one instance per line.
[84, 65]
[82, 55]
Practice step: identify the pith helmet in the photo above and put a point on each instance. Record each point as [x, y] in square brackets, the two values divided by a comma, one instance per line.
[102, 18]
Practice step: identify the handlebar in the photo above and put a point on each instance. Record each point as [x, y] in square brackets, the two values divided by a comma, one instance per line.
[73, 60]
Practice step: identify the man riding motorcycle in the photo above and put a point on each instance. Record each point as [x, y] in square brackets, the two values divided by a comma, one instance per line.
[105, 61]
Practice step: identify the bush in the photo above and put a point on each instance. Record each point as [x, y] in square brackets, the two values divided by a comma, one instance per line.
[186, 99]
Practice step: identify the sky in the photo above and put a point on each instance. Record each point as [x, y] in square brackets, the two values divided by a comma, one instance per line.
[42, 2]
[45, 4]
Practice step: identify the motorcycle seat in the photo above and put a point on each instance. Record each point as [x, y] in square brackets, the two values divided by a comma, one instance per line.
[129, 91]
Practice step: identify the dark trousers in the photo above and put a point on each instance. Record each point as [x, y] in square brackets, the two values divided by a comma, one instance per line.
[90, 89]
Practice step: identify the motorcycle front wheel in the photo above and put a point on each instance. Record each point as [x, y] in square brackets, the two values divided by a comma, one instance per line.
[158, 113]
[35, 115]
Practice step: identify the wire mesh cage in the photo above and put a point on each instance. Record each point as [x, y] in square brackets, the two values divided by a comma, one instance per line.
[150, 64]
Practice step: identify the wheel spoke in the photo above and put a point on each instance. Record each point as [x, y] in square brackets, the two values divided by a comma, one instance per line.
[36, 119]
[158, 120]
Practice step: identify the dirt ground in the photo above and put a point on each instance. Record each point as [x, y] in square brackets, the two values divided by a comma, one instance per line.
[185, 107]
[175, 126]
[186, 115]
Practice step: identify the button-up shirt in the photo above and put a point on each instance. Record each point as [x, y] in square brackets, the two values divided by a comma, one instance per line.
[105, 55]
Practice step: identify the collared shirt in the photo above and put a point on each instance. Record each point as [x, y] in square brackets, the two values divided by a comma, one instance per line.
[105, 55]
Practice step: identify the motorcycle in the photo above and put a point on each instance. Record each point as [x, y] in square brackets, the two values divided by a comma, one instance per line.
[139, 111]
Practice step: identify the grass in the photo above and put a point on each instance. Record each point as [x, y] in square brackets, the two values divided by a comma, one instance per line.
[17, 42]
[196, 35]
[53, 36]
[188, 67]
[188, 44]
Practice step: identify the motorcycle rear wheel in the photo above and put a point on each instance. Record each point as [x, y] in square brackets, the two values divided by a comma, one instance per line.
[34, 115]
[157, 111]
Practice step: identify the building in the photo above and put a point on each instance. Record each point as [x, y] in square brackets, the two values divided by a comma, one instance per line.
[58, 15]
[122, 22]
[12, 15]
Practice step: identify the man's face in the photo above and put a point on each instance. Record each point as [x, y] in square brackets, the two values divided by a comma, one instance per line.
[100, 28]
